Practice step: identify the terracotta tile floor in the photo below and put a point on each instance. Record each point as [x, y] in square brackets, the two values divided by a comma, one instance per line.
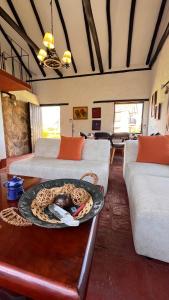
[118, 273]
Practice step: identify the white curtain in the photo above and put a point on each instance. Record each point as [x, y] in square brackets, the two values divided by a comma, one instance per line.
[36, 124]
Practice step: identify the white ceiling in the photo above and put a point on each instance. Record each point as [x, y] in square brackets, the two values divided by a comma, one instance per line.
[146, 14]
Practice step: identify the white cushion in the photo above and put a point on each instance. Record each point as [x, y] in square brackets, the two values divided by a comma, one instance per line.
[96, 150]
[47, 147]
[130, 152]
[49, 168]
[134, 168]
[149, 210]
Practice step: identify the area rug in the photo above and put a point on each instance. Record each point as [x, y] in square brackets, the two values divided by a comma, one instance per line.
[117, 272]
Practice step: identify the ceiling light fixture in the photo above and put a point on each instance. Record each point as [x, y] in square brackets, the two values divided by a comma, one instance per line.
[49, 57]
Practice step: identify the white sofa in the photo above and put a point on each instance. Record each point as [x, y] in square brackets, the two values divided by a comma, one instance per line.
[44, 163]
[148, 190]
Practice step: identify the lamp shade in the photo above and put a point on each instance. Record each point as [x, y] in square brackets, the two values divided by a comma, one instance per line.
[48, 40]
[67, 54]
[42, 54]
[67, 57]
[66, 60]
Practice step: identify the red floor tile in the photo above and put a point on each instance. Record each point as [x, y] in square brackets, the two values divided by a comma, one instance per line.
[118, 273]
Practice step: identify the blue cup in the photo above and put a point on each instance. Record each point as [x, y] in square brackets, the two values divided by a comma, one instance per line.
[14, 188]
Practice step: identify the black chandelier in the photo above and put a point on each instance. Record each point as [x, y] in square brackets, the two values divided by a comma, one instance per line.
[49, 57]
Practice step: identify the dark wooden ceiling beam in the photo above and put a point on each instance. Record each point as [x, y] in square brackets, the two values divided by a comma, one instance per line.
[65, 32]
[160, 45]
[15, 51]
[89, 40]
[108, 12]
[37, 17]
[41, 28]
[157, 26]
[130, 34]
[10, 22]
[90, 19]
[92, 74]
[28, 40]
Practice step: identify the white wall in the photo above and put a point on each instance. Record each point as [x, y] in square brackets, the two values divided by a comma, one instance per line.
[83, 91]
[160, 75]
[2, 137]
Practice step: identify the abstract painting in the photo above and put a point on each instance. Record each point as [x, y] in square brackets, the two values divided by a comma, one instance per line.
[96, 124]
[96, 112]
[80, 113]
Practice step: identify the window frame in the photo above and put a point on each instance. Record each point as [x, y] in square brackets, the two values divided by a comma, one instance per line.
[129, 102]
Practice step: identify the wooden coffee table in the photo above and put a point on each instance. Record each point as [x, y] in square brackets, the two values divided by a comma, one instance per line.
[45, 263]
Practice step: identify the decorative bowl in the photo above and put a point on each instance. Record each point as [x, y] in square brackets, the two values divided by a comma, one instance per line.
[26, 199]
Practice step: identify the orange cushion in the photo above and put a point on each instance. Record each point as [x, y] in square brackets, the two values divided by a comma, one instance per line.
[153, 149]
[71, 148]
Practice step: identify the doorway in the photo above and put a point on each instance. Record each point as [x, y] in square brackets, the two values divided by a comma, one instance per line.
[50, 121]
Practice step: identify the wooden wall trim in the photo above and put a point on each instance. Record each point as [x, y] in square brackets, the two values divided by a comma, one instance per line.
[122, 101]
[54, 104]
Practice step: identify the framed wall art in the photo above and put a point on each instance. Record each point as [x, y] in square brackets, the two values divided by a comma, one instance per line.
[80, 113]
[153, 105]
[158, 111]
[96, 112]
[96, 124]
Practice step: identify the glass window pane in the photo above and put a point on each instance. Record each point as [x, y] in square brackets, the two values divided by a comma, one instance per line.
[128, 117]
[50, 121]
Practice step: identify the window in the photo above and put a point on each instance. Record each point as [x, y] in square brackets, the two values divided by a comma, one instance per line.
[50, 121]
[128, 117]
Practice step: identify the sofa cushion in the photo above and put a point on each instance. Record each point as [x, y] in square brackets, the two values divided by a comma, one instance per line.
[149, 210]
[134, 168]
[153, 149]
[47, 147]
[98, 150]
[71, 148]
[130, 153]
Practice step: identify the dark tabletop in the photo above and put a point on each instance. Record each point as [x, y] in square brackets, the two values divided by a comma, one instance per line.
[45, 263]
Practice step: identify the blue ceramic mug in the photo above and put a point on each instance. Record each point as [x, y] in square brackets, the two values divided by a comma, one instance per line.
[14, 188]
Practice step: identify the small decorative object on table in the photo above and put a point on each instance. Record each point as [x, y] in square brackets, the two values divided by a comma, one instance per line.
[58, 203]
[15, 188]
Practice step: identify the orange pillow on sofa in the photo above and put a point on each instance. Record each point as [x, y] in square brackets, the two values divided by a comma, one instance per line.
[153, 149]
[71, 148]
